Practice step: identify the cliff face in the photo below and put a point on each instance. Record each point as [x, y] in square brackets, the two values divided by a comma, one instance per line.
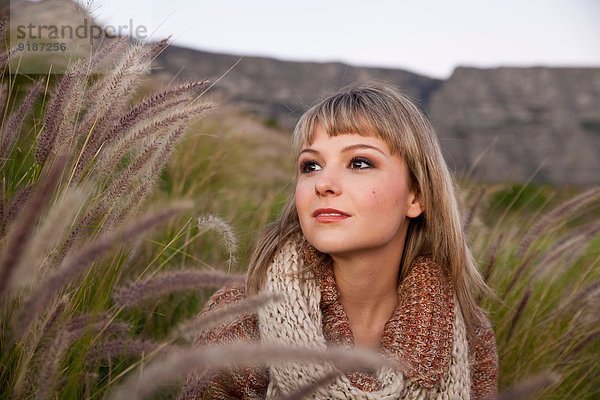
[508, 123]
[493, 124]
[281, 90]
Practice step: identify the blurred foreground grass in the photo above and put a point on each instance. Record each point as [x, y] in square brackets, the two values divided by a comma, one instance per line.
[543, 265]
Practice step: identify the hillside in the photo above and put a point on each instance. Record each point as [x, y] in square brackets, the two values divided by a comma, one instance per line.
[508, 122]
[494, 124]
[279, 91]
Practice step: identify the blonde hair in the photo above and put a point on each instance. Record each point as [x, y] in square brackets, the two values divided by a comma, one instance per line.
[379, 109]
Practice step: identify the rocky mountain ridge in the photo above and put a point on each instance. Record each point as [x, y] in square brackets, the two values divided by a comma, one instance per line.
[496, 124]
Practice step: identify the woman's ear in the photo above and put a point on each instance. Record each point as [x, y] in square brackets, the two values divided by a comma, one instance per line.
[415, 206]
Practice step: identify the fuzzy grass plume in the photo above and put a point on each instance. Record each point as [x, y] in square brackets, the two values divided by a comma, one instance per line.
[170, 283]
[544, 264]
[179, 363]
[72, 198]
[84, 156]
[214, 223]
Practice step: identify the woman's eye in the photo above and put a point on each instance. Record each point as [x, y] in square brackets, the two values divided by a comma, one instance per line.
[309, 166]
[361, 163]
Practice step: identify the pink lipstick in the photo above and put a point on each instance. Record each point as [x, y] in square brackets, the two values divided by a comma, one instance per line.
[329, 215]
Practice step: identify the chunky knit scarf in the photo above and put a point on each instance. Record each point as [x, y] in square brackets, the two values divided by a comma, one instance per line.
[426, 331]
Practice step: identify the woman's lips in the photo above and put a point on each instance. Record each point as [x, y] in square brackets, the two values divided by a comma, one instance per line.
[329, 215]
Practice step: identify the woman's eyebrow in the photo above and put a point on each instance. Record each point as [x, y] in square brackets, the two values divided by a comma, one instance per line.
[347, 148]
[362, 146]
[309, 150]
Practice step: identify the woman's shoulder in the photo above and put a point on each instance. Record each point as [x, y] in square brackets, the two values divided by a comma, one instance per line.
[244, 327]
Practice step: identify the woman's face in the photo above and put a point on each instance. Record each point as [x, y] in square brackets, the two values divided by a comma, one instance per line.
[352, 194]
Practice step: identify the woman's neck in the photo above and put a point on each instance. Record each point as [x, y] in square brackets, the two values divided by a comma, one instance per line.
[367, 284]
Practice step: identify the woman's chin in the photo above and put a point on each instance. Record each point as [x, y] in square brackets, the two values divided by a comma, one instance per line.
[331, 247]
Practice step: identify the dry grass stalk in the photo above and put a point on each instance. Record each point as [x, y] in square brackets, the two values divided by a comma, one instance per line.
[54, 112]
[525, 264]
[71, 332]
[105, 52]
[118, 82]
[76, 265]
[492, 256]
[153, 105]
[110, 65]
[119, 348]
[584, 295]
[3, 98]
[572, 245]
[530, 386]
[99, 122]
[81, 322]
[1, 208]
[122, 184]
[158, 48]
[189, 330]
[19, 199]
[229, 239]
[3, 24]
[35, 261]
[18, 237]
[560, 213]
[468, 218]
[590, 338]
[145, 180]
[110, 94]
[171, 119]
[131, 202]
[37, 342]
[12, 128]
[67, 133]
[5, 52]
[518, 312]
[5, 57]
[177, 364]
[171, 282]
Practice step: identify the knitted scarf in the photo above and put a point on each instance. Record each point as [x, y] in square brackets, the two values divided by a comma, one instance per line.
[437, 368]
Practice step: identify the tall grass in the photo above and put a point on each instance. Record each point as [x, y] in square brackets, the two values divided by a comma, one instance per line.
[539, 251]
[91, 299]
[83, 282]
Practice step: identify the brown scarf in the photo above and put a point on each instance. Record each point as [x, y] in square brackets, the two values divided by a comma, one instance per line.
[426, 330]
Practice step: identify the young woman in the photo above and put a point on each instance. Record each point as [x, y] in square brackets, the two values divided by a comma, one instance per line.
[368, 252]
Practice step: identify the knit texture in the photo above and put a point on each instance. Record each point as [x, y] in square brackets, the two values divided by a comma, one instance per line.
[426, 331]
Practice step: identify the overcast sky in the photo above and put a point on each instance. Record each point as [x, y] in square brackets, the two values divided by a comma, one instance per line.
[430, 37]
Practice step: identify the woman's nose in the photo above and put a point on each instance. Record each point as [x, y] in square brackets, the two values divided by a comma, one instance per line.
[327, 184]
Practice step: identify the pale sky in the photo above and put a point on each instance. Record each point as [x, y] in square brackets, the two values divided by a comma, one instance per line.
[430, 37]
